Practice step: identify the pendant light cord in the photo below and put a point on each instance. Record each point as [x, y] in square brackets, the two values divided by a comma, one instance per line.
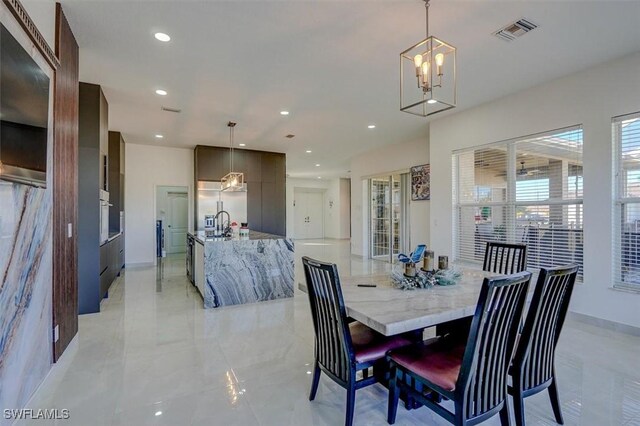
[426, 9]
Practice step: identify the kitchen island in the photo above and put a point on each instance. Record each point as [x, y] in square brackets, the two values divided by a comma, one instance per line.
[238, 270]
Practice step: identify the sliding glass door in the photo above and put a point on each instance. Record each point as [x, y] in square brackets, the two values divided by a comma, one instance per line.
[389, 210]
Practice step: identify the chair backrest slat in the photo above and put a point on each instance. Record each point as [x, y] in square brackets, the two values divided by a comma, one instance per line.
[482, 380]
[334, 349]
[533, 360]
[503, 258]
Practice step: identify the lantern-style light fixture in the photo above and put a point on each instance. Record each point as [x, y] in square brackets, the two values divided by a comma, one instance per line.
[428, 75]
[232, 181]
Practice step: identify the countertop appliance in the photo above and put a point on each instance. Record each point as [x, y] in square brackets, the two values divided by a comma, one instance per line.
[24, 112]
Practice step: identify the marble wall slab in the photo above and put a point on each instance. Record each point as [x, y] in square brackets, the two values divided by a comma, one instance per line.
[247, 271]
[25, 292]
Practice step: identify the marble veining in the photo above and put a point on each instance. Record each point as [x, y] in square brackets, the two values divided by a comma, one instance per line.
[25, 292]
[247, 271]
[390, 311]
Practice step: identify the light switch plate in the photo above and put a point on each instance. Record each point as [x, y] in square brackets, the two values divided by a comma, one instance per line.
[69, 230]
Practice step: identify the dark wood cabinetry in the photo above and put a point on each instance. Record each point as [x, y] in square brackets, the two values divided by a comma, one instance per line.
[265, 176]
[116, 179]
[93, 118]
[111, 262]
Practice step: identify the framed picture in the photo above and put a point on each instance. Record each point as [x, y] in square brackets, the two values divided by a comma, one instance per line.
[421, 182]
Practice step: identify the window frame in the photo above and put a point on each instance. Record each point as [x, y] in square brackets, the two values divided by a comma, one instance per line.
[619, 201]
[511, 204]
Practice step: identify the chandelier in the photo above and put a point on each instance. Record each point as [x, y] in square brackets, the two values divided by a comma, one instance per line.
[232, 181]
[431, 66]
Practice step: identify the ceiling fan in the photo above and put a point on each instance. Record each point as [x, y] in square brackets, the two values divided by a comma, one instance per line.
[522, 171]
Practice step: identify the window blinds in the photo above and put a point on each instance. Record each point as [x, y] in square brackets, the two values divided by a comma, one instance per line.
[526, 190]
[626, 205]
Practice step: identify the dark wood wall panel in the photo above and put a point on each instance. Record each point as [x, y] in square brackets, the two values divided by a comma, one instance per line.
[65, 185]
[265, 176]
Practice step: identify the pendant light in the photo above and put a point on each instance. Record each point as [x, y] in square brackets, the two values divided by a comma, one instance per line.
[232, 181]
[431, 66]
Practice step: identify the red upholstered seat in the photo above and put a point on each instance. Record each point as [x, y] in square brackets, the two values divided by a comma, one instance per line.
[369, 345]
[437, 361]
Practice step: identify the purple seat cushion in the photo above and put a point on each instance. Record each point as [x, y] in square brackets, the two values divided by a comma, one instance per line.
[437, 362]
[369, 345]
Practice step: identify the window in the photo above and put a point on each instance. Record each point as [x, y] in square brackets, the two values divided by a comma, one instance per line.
[626, 144]
[526, 190]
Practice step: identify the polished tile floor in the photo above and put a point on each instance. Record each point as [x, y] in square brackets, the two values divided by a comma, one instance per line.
[154, 356]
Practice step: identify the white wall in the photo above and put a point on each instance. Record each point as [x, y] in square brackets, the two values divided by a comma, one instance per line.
[336, 217]
[391, 158]
[146, 167]
[591, 98]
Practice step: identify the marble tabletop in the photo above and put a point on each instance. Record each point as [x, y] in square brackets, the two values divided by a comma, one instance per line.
[391, 311]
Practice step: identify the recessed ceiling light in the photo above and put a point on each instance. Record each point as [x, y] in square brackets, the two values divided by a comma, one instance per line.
[159, 136]
[284, 112]
[158, 413]
[242, 144]
[162, 37]
[161, 92]
[308, 151]
[371, 126]
[317, 165]
[432, 101]
[319, 177]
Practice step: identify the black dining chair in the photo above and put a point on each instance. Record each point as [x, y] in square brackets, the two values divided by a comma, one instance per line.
[342, 348]
[500, 258]
[503, 258]
[533, 366]
[472, 375]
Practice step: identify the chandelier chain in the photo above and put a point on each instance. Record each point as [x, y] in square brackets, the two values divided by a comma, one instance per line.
[426, 8]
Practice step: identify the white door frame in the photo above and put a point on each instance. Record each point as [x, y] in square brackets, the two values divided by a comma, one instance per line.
[302, 189]
[152, 227]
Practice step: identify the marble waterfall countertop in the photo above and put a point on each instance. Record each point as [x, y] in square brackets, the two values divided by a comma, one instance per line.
[253, 235]
[246, 270]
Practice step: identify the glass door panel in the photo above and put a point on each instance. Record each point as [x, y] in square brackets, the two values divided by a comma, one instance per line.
[389, 206]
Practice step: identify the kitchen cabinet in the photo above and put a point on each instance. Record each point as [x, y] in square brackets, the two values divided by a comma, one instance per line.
[116, 180]
[111, 262]
[264, 174]
[92, 142]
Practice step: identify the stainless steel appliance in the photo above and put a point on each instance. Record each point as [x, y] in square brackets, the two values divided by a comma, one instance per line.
[104, 216]
[190, 258]
[211, 200]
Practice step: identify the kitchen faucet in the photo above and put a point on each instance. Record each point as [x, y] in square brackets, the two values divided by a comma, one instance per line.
[220, 226]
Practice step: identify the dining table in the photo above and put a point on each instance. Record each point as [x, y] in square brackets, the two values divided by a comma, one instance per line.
[376, 302]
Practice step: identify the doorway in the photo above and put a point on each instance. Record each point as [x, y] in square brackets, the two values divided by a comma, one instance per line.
[172, 208]
[308, 209]
[389, 216]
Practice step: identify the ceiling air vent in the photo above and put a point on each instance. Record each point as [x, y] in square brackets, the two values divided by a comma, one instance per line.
[290, 136]
[515, 30]
[177, 111]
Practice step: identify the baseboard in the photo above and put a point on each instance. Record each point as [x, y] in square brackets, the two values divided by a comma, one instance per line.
[603, 323]
[134, 265]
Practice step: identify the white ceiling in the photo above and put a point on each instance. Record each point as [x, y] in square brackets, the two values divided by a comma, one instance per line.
[333, 64]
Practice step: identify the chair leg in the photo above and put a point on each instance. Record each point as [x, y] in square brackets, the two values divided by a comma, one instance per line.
[394, 395]
[518, 408]
[351, 402]
[555, 401]
[314, 382]
[504, 414]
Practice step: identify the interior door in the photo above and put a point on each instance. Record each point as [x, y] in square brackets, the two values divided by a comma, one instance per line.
[315, 217]
[308, 215]
[177, 213]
